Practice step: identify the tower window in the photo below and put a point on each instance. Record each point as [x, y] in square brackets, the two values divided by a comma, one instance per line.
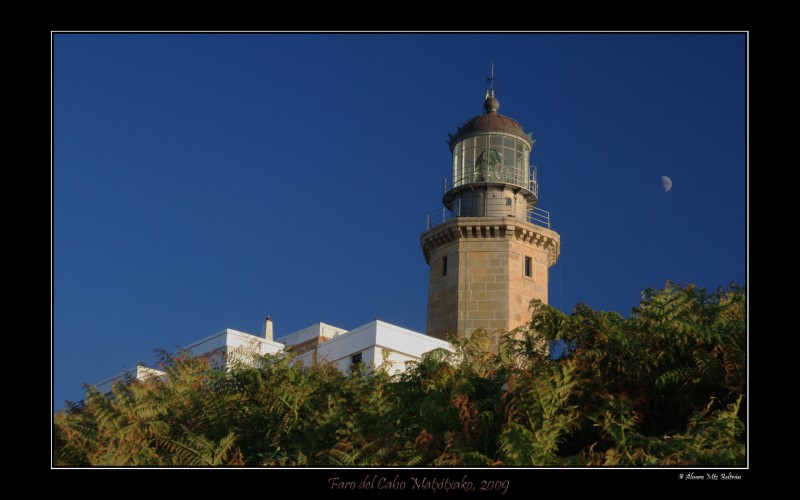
[355, 359]
[528, 267]
[444, 266]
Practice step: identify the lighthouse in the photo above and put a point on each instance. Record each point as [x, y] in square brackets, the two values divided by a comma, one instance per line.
[490, 246]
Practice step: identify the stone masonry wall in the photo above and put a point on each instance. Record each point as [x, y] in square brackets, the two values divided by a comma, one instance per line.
[485, 285]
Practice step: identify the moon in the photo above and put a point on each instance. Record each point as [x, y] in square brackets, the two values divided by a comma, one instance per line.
[666, 182]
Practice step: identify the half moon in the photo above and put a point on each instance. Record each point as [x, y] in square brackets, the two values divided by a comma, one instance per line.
[666, 182]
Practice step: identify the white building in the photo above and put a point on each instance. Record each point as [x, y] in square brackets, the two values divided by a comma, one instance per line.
[375, 344]
[228, 345]
[138, 373]
[365, 344]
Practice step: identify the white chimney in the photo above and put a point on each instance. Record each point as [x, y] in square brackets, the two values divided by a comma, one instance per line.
[266, 330]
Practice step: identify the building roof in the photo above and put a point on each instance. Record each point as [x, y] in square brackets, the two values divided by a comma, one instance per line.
[489, 122]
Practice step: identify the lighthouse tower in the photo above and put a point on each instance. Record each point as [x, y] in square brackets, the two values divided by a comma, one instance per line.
[489, 247]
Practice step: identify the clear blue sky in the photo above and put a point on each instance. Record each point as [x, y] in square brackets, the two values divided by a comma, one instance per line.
[204, 181]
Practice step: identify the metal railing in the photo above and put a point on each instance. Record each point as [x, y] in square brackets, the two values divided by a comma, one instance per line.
[500, 173]
[539, 217]
[533, 215]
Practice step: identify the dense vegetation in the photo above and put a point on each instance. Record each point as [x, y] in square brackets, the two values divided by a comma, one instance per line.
[665, 386]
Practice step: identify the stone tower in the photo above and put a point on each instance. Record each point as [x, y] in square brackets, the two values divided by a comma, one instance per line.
[489, 248]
